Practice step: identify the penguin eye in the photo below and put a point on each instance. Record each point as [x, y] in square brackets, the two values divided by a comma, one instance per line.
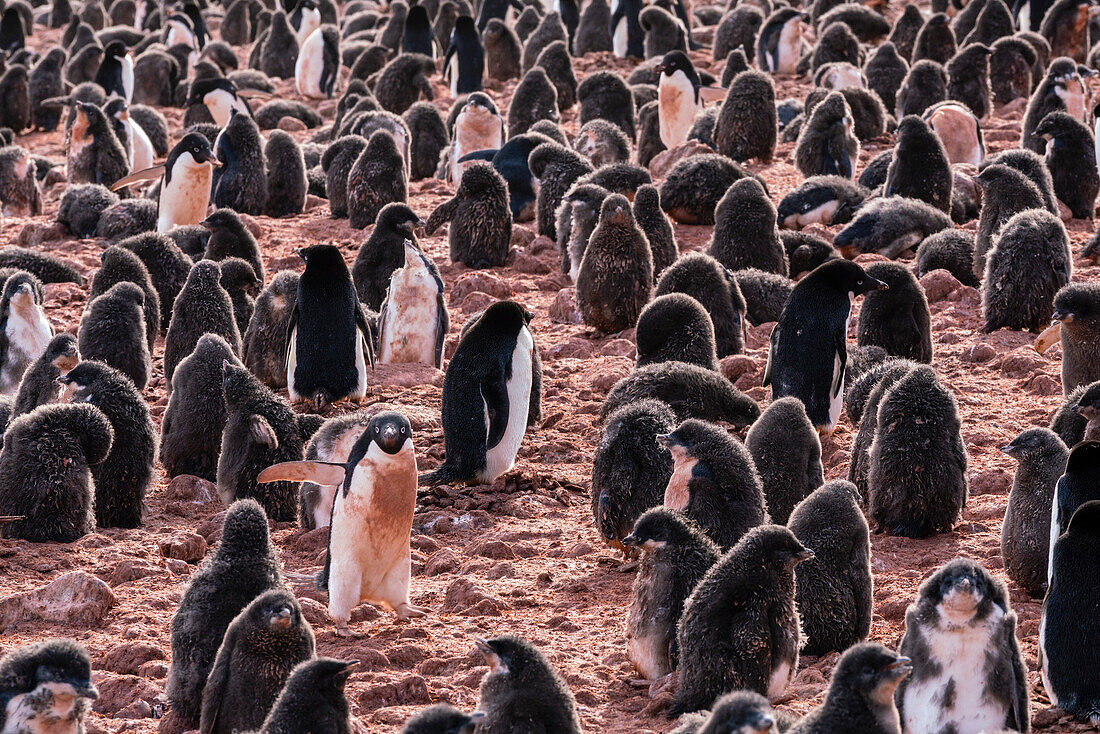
[859, 282]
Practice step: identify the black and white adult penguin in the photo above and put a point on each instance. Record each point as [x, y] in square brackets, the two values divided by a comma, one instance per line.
[318, 64]
[328, 339]
[304, 19]
[680, 96]
[138, 146]
[464, 63]
[808, 350]
[221, 97]
[627, 36]
[418, 37]
[46, 685]
[1029, 14]
[368, 556]
[490, 9]
[414, 319]
[25, 332]
[1078, 485]
[116, 71]
[185, 188]
[179, 30]
[780, 45]
[487, 395]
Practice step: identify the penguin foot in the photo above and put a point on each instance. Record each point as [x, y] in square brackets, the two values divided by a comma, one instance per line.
[405, 612]
[344, 631]
[666, 683]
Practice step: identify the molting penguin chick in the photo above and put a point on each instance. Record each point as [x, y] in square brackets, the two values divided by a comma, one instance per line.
[46, 684]
[93, 152]
[1062, 90]
[896, 319]
[313, 693]
[602, 143]
[383, 252]
[1029, 263]
[1025, 533]
[480, 231]
[39, 385]
[46, 472]
[690, 390]
[924, 86]
[656, 227]
[630, 469]
[808, 348]
[24, 330]
[821, 200]
[917, 482]
[494, 362]
[377, 178]
[745, 230]
[714, 482]
[750, 595]
[241, 567]
[834, 590]
[708, 282]
[787, 455]
[890, 226]
[675, 327]
[112, 331]
[413, 320]
[676, 555]
[826, 143]
[202, 307]
[265, 340]
[920, 168]
[616, 275]
[961, 636]
[522, 686]
[1077, 312]
[1071, 159]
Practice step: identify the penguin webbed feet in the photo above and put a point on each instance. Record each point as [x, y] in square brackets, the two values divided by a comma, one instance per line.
[406, 612]
[342, 630]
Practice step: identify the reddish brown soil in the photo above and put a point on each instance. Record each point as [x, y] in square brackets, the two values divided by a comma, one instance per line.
[522, 556]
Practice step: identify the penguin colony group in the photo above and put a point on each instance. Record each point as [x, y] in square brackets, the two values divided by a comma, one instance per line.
[746, 557]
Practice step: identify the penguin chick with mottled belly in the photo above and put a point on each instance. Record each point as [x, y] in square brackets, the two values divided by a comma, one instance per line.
[46, 686]
[24, 330]
[960, 635]
[478, 126]
[414, 319]
[368, 556]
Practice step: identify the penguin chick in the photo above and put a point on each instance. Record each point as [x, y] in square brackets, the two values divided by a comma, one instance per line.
[112, 331]
[1029, 263]
[786, 452]
[383, 252]
[747, 125]
[951, 250]
[1077, 310]
[19, 189]
[676, 555]
[1061, 90]
[862, 403]
[917, 493]
[806, 251]
[47, 683]
[821, 200]
[480, 231]
[1025, 533]
[202, 307]
[24, 330]
[691, 191]
[959, 131]
[936, 40]
[522, 686]
[1071, 159]
[675, 327]
[756, 609]
[690, 390]
[1010, 65]
[93, 153]
[229, 237]
[704, 279]
[920, 168]
[286, 176]
[240, 282]
[656, 227]
[119, 265]
[616, 275]
[442, 718]
[265, 340]
[924, 86]
[896, 319]
[403, 80]
[826, 144]
[890, 226]
[39, 385]
[745, 231]
[886, 68]
[241, 567]
[968, 78]
[376, 179]
[313, 700]
[604, 94]
[740, 712]
[1005, 192]
[602, 143]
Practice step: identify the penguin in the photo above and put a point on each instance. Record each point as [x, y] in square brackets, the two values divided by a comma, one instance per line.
[703, 278]
[860, 694]
[376, 178]
[25, 332]
[116, 71]
[316, 70]
[166, 264]
[959, 132]
[890, 226]
[951, 250]
[186, 184]
[261, 647]
[960, 635]
[556, 168]
[428, 138]
[805, 251]
[920, 168]
[714, 482]
[496, 10]
[403, 80]
[1025, 533]
[44, 83]
[488, 381]
[558, 65]
[378, 490]
[1076, 309]
[502, 50]
[786, 452]
[413, 321]
[46, 471]
[744, 712]
[867, 23]
[480, 218]
[678, 97]
[690, 390]
[1010, 69]
[826, 145]
[782, 41]
[305, 18]
[630, 469]
[886, 68]
[265, 340]
[93, 153]
[755, 608]
[240, 282]
[627, 36]
[619, 178]
[745, 230]
[191, 429]
[442, 718]
[615, 279]
[521, 686]
[383, 253]
[815, 322]
[1061, 90]
[1071, 159]
[464, 61]
[917, 493]
[337, 163]
[46, 684]
[936, 40]
[834, 590]
[862, 403]
[478, 126]
[924, 86]
[836, 44]
[278, 51]
[738, 29]
[1029, 13]
[968, 75]
[229, 237]
[675, 327]
[1078, 484]
[1066, 26]
[240, 182]
[139, 148]
[692, 189]
[896, 319]
[39, 385]
[15, 91]
[747, 124]
[112, 331]
[313, 700]
[242, 566]
[81, 206]
[1029, 263]
[602, 143]
[656, 227]
[594, 30]
[677, 553]
[1062, 654]
[202, 307]
[1005, 192]
[821, 200]
[535, 99]
[604, 94]
[220, 96]
[329, 341]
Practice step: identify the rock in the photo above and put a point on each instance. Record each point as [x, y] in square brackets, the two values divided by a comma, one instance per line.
[407, 657]
[32, 235]
[938, 285]
[606, 379]
[315, 612]
[77, 599]
[479, 281]
[735, 365]
[476, 302]
[117, 692]
[666, 160]
[1044, 384]
[495, 549]
[129, 657]
[443, 561]
[573, 348]
[188, 547]
[188, 488]
[314, 202]
[991, 481]
[578, 549]
[411, 690]
[404, 375]
[619, 348]
[464, 595]
[522, 238]
[564, 308]
[154, 670]
[530, 264]
[1020, 362]
[131, 571]
[980, 352]
[292, 125]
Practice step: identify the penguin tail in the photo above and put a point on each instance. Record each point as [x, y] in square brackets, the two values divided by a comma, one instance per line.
[321, 580]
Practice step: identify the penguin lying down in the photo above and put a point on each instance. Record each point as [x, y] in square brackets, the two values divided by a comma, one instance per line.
[368, 557]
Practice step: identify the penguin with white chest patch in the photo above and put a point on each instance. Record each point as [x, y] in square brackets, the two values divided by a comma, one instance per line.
[679, 97]
[46, 686]
[487, 397]
[780, 45]
[968, 674]
[318, 65]
[368, 557]
[464, 63]
[116, 71]
[627, 36]
[185, 190]
[220, 96]
[479, 126]
[24, 330]
[414, 319]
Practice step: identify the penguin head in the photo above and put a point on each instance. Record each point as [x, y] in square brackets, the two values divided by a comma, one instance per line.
[115, 50]
[962, 591]
[845, 276]
[442, 718]
[480, 103]
[657, 528]
[207, 91]
[195, 150]
[81, 383]
[238, 275]
[779, 548]
[616, 210]
[1036, 443]
[22, 292]
[675, 61]
[62, 352]
[1086, 519]
[245, 534]
[687, 436]
[223, 219]
[276, 611]
[62, 666]
[1056, 125]
[399, 217]
[1077, 308]
[510, 656]
[872, 672]
[324, 676]
[320, 258]
[740, 712]
[390, 431]
[415, 259]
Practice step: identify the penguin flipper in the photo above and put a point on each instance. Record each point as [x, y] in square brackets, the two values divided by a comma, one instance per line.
[262, 432]
[324, 473]
[216, 682]
[442, 326]
[841, 348]
[494, 391]
[368, 336]
[253, 94]
[479, 155]
[442, 214]
[149, 174]
[292, 324]
[773, 343]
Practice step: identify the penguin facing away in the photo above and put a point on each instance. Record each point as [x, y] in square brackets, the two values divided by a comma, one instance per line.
[185, 189]
[368, 556]
[414, 319]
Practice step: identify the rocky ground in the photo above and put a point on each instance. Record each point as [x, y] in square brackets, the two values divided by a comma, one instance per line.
[520, 556]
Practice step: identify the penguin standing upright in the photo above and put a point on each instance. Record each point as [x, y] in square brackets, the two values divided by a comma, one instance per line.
[414, 319]
[318, 65]
[418, 38]
[780, 45]
[808, 350]
[328, 338]
[304, 19]
[464, 64]
[93, 152]
[627, 36]
[220, 96]
[241, 181]
[139, 147]
[368, 556]
[116, 71]
[677, 97]
[24, 330]
[185, 190]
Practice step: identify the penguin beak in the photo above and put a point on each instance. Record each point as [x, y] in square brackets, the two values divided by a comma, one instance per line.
[761, 723]
[281, 620]
[804, 555]
[1075, 408]
[900, 667]
[660, 68]
[665, 439]
[1066, 317]
[1010, 449]
[390, 439]
[631, 540]
[881, 286]
[300, 252]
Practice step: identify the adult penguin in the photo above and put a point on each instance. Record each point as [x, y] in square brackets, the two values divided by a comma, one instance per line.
[185, 189]
[627, 36]
[679, 97]
[464, 64]
[116, 71]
